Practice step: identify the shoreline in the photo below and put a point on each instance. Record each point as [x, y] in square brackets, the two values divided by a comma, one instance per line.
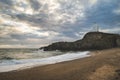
[102, 64]
[16, 65]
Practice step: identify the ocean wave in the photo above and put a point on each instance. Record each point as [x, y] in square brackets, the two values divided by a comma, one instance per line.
[9, 65]
[6, 58]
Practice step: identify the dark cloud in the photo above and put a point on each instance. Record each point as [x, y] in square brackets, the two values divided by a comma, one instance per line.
[8, 2]
[103, 13]
[35, 4]
[25, 36]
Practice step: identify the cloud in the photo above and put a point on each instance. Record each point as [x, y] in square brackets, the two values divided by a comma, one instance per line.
[11, 46]
[35, 4]
[7, 2]
[112, 30]
[93, 2]
[40, 22]
[117, 10]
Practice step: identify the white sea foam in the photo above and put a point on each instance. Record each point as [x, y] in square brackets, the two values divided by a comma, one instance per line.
[10, 65]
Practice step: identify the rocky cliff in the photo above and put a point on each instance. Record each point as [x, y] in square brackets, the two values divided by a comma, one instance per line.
[91, 41]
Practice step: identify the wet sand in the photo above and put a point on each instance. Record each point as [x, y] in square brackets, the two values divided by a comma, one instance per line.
[102, 65]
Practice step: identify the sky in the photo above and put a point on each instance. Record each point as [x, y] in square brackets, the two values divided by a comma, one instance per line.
[37, 23]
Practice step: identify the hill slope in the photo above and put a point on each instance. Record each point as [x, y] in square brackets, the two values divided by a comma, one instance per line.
[91, 41]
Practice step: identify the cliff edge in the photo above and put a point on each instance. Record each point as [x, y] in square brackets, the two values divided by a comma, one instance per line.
[91, 41]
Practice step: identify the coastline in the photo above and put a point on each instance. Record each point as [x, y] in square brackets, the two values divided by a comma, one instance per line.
[102, 65]
[14, 64]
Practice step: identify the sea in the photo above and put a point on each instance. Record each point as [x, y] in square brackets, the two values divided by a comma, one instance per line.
[21, 58]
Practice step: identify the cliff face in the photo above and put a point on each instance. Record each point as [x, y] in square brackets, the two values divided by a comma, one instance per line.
[118, 41]
[97, 40]
[91, 41]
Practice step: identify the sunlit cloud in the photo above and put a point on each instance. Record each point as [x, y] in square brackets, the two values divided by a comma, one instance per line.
[93, 2]
[112, 30]
[11, 46]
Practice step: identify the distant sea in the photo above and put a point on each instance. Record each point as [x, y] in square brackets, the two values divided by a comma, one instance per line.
[21, 58]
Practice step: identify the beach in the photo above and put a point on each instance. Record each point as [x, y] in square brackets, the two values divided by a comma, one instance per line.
[101, 65]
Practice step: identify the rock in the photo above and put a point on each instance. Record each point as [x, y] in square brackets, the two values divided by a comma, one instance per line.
[91, 41]
[118, 41]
